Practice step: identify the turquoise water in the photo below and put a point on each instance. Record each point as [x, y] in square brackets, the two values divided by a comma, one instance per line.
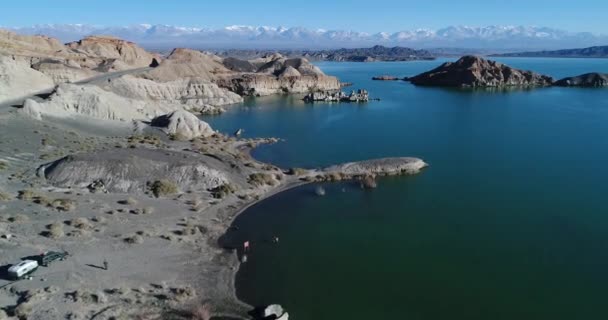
[508, 222]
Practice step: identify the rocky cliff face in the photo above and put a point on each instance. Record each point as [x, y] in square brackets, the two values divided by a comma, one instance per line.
[193, 93]
[182, 125]
[185, 80]
[18, 79]
[473, 72]
[585, 80]
[277, 74]
[113, 49]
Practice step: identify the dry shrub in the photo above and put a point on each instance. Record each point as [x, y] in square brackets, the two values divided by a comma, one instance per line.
[261, 179]
[63, 204]
[27, 195]
[136, 239]
[19, 218]
[297, 171]
[5, 196]
[223, 191]
[129, 201]
[54, 231]
[163, 188]
[81, 223]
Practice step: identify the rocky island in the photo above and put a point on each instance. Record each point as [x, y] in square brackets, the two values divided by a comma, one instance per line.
[476, 72]
[360, 95]
[592, 80]
[103, 159]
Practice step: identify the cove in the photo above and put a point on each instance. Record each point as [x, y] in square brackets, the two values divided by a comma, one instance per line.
[509, 221]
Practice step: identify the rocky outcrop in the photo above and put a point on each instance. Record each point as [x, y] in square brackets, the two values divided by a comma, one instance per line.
[192, 93]
[475, 72]
[386, 78]
[31, 46]
[131, 170]
[593, 80]
[182, 125]
[385, 166]
[114, 49]
[94, 102]
[18, 79]
[63, 71]
[263, 85]
[187, 63]
[360, 95]
[276, 74]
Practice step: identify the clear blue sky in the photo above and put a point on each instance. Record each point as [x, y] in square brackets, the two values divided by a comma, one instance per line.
[359, 15]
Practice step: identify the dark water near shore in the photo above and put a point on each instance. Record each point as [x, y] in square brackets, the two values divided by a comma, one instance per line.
[509, 221]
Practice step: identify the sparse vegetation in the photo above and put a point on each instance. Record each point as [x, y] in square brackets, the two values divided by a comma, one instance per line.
[3, 165]
[262, 179]
[136, 239]
[297, 171]
[128, 202]
[223, 191]
[163, 187]
[5, 196]
[178, 137]
[54, 231]
[63, 204]
[80, 223]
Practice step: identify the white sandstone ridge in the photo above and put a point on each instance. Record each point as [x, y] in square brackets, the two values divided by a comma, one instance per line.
[91, 101]
[182, 125]
[21, 56]
[17, 79]
[133, 170]
[113, 79]
[193, 93]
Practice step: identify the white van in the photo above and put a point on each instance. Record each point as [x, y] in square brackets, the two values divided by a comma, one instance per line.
[22, 268]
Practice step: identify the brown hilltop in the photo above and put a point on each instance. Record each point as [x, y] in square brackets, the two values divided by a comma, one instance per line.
[476, 72]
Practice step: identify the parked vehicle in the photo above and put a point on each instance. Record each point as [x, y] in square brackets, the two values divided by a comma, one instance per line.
[46, 258]
[22, 269]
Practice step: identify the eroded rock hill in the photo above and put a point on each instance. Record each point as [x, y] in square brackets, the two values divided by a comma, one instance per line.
[593, 80]
[476, 72]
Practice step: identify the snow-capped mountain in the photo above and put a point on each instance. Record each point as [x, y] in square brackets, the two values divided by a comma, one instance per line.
[490, 37]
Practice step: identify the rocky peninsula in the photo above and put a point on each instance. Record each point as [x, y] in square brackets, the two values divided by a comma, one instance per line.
[102, 157]
[476, 72]
[591, 80]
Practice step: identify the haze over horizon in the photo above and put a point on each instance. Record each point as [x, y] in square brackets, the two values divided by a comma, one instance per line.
[357, 15]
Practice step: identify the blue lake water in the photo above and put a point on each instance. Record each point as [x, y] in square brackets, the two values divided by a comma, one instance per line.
[510, 221]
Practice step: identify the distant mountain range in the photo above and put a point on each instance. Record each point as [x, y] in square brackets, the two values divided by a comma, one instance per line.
[375, 53]
[591, 52]
[499, 38]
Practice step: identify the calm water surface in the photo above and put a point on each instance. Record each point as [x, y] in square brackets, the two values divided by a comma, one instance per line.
[510, 221]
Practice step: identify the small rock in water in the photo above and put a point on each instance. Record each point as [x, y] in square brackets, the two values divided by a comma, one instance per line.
[369, 182]
[320, 191]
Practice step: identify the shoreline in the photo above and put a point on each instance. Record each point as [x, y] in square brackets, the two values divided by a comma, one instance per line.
[299, 181]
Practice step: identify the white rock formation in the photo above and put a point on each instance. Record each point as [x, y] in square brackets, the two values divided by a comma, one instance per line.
[183, 125]
[110, 48]
[17, 79]
[91, 101]
[194, 93]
